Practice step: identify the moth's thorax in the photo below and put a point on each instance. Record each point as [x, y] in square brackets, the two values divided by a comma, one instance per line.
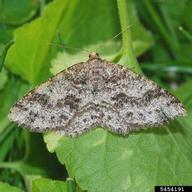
[97, 73]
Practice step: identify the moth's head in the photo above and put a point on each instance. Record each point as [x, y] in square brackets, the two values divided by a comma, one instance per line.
[94, 55]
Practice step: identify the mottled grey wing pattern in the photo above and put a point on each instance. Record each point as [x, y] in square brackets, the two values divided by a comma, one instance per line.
[139, 101]
[49, 106]
[94, 93]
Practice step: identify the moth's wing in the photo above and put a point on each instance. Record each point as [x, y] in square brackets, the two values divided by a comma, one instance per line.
[139, 101]
[51, 105]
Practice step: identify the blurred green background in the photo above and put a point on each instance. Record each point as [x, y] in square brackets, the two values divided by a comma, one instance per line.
[35, 36]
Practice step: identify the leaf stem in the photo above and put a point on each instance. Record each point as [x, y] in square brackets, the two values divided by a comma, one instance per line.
[71, 185]
[12, 165]
[173, 45]
[42, 5]
[127, 46]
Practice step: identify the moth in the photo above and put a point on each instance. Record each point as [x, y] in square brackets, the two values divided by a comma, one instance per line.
[96, 93]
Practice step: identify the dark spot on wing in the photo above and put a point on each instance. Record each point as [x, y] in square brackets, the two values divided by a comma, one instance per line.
[64, 117]
[121, 98]
[35, 96]
[93, 116]
[19, 105]
[52, 117]
[129, 114]
[50, 89]
[49, 106]
[141, 116]
[84, 120]
[25, 109]
[42, 99]
[174, 101]
[60, 103]
[109, 117]
[80, 80]
[31, 120]
[157, 110]
[37, 128]
[70, 100]
[152, 94]
[116, 75]
[33, 114]
[114, 79]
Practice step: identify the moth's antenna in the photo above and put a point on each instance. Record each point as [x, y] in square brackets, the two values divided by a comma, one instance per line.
[81, 49]
[63, 46]
[121, 32]
[116, 36]
[68, 47]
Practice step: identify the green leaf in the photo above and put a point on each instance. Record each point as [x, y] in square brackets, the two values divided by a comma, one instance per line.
[187, 18]
[3, 79]
[100, 161]
[5, 34]
[143, 42]
[15, 12]
[31, 54]
[29, 181]
[81, 31]
[11, 91]
[4, 187]
[47, 185]
[52, 141]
